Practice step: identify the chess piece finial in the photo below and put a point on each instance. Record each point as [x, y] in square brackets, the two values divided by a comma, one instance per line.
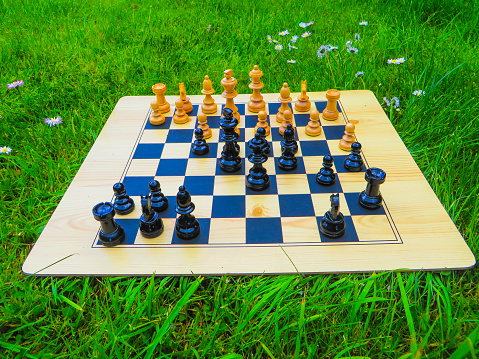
[187, 226]
[180, 116]
[354, 161]
[123, 203]
[111, 233]
[202, 123]
[263, 122]
[288, 120]
[326, 175]
[199, 146]
[187, 106]
[159, 90]
[332, 225]
[348, 138]
[331, 112]
[159, 202]
[371, 197]
[285, 99]
[313, 128]
[302, 104]
[256, 103]
[209, 105]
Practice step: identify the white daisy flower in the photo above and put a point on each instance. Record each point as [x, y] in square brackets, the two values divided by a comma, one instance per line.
[352, 50]
[359, 73]
[397, 61]
[349, 44]
[284, 33]
[294, 38]
[291, 61]
[5, 150]
[419, 93]
[275, 41]
[306, 34]
[292, 47]
[270, 39]
[364, 23]
[303, 24]
[53, 121]
[279, 47]
[357, 37]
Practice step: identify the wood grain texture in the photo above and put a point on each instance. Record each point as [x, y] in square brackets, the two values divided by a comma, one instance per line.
[430, 240]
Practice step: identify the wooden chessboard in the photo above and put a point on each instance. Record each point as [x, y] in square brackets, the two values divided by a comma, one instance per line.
[242, 231]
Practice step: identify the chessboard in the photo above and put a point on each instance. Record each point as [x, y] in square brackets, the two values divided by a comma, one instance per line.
[243, 231]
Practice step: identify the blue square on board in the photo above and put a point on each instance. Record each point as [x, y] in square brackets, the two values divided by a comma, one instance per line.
[211, 121]
[241, 108]
[137, 186]
[356, 209]
[165, 125]
[170, 211]
[202, 237]
[172, 167]
[212, 153]
[302, 119]
[315, 148]
[296, 205]
[299, 169]
[219, 171]
[315, 187]
[274, 107]
[334, 132]
[228, 207]
[339, 165]
[180, 136]
[272, 189]
[148, 150]
[350, 235]
[249, 151]
[131, 227]
[277, 137]
[263, 230]
[200, 185]
[250, 121]
[321, 105]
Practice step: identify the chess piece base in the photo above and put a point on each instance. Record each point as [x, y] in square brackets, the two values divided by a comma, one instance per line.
[257, 181]
[325, 179]
[288, 164]
[353, 166]
[256, 106]
[157, 120]
[164, 107]
[209, 108]
[187, 227]
[312, 131]
[330, 115]
[153, 228]
[332, 228]
[369, 202]
[181, 119]
[345, 146]
[124, 207]
[302, 105]
[114, 238]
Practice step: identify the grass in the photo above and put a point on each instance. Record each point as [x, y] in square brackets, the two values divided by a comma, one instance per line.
[78, 58]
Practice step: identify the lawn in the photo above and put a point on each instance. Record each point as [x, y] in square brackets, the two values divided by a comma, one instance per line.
[77, 58]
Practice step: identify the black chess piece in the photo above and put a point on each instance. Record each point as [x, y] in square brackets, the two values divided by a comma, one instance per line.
[123, 203]
[262, 132]
[332, 225]
[187, 226]
[230, 160]
[257, 179]
[354, 162]
[326, 175]
[159, 202]
[151, 225]
[289, 147]
[371, 198]
[199, 146]
[111, 233]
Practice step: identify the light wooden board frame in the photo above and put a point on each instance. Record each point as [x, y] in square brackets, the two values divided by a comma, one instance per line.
[429, 238]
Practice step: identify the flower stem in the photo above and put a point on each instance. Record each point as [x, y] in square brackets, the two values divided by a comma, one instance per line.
[329, 64]
[390, 81]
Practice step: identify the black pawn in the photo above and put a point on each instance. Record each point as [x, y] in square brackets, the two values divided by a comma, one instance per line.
[123, 204]
[354, 162]
[332, 225]
[187, 226]
[326, 175]
[262, 132]
[257, 179]
[230, 160]
[151, 225]
[371, 198]
[159, 202]
[111, 233]
[289, 147]
[199, 145]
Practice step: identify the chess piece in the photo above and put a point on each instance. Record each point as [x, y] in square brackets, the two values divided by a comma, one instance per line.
[187, 226]
[159, 202]
[288, 120]
[332, 225]
[180, 116]
[284, 99]
[313, 128]
[303, 104]
[289, 147]
[151, 225]
[199, 146]
[256, 103]
[266, 146]
[263, 122]
[111, 233]
[159, 90]
[257, 179]
[354, 162]
[229, 83]
[209, 105]
[156, 117]
[202, 123]
[123, 203]
[187, 106]
[331, 113]
[230, 160]
[326, 175]
[348, 138]
[371, 198]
